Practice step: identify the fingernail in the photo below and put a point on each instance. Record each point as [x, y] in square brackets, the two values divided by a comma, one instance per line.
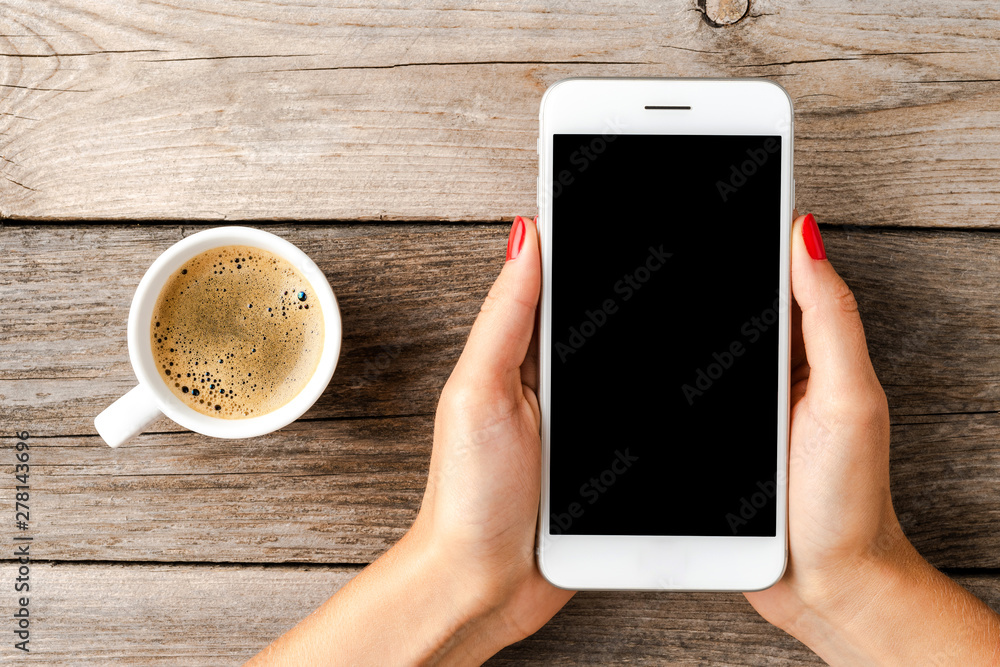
[516, 238]
[812, 238]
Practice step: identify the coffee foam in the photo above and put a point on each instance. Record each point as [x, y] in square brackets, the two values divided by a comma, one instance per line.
[237, 332]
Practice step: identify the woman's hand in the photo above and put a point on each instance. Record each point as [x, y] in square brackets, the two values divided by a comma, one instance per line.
[481, 504]
[855, 591]
[462, 583]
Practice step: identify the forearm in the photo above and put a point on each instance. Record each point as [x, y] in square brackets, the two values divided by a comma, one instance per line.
[901, 611]
[406, 608]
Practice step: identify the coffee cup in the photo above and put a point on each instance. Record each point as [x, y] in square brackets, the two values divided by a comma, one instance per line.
[152, 398]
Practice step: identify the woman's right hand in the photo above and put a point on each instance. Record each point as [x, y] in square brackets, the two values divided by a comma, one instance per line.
[855, 590]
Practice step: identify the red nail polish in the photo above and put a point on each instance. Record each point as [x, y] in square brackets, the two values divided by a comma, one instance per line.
[516, 238]
[812, 238]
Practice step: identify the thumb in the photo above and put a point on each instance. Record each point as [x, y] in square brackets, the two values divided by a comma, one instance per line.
[501, 334]
[839, 365]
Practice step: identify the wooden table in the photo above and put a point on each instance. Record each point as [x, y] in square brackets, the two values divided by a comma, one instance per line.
[393, 143]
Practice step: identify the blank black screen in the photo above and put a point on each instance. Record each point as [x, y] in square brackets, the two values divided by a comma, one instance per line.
[664, 352]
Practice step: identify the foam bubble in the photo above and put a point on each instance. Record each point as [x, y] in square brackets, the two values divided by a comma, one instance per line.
[216, 312]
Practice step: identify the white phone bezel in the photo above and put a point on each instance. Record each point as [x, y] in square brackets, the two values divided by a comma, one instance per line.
[618, 106]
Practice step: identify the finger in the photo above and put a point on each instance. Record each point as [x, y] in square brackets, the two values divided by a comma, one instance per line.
[529, 369]
[529, 374]
[797, 344]
[500, 337]
[833, 337]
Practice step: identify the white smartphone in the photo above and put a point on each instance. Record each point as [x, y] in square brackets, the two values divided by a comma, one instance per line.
[665, 208]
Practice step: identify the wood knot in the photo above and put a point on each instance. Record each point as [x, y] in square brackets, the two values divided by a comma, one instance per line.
[719, 13]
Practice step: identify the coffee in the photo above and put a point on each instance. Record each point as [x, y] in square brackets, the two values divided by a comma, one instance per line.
[237, 332]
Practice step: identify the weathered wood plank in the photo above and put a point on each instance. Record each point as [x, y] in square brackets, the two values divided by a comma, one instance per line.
[346, 486]
[945, 477]
[222, 615]
[407, 295]
[163, 614]
[343, 491]
[324, 492]
[424, 111]
[928, 301]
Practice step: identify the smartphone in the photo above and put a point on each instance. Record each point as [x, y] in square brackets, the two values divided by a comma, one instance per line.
[664, 215]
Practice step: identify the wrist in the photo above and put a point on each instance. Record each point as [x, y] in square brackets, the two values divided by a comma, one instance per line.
[464, 623]
[841, 609]
[889, 606]
[843, 591]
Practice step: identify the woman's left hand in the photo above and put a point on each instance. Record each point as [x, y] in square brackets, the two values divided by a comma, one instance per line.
[463, 582]
[481, 504]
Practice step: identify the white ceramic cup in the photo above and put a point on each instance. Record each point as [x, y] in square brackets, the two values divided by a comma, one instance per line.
[133, 412]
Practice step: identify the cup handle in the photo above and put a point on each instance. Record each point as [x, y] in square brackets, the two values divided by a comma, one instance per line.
[127, 417]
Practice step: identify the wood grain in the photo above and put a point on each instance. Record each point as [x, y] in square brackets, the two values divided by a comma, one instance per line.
[343, 491]
[230, 110]
[344, 483]
[178, 549]
[407, 294]
[322, 492]
[143, 614]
